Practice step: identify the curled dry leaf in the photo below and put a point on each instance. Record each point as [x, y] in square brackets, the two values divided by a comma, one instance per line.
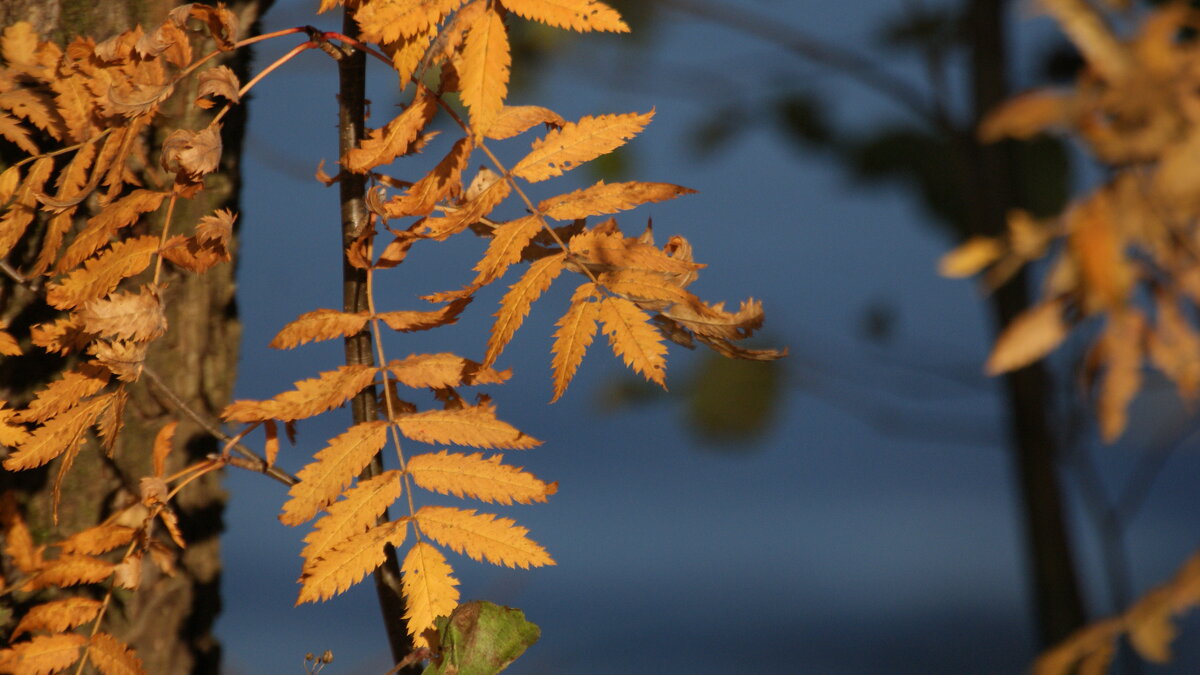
[219, 81]
[194, 153]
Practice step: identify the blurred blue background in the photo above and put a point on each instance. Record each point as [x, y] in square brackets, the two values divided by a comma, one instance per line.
[871, 528]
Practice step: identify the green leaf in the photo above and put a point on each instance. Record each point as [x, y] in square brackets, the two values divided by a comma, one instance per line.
[481, 638]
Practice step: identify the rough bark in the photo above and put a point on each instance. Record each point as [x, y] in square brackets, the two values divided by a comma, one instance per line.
[169, 621]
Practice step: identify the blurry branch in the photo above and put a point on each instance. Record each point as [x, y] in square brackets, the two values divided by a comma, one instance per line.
[849, 63]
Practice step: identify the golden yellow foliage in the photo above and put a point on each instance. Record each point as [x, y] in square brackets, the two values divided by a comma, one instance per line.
[102, 257]
[477, 477]
[481, 536]
[429, 587]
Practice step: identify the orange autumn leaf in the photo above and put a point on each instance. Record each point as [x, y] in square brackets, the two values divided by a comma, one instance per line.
[135, 316]
[406, 321]
[477, 477]
[514, 120]
[58, 435]
[390, 20]
[100, 228]
[65, 392]
[576, 329]
[633, 338]
[508, 240]
[347, 562]
[332, 469]
[43, 655]
[514, 307]
[100, 275]
[577, 142]
[71, 570]
[57, 616]
[578, 15]
[98, 539]
[604, 198]
[353, 515]
[310, 397]
[483, 71]
[474, 426]
[481, 536]
[112, 657]
[1030, 336]
[396, 138]
[317, 325]
[444, 180]
[443, 370]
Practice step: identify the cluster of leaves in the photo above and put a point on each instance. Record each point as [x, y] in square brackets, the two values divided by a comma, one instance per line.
[1123, 256]
[92, 103]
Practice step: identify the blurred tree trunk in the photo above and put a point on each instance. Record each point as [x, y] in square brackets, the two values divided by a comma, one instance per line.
[170, 621]
[990, 195]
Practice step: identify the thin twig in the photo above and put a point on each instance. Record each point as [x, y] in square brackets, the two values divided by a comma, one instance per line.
[256, 462]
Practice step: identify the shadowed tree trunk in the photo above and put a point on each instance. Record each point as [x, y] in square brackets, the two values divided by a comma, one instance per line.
[1050, 561]
[169, 622]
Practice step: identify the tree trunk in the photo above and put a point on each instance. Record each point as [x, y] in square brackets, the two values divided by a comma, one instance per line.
[1051, 566]
[169, 621]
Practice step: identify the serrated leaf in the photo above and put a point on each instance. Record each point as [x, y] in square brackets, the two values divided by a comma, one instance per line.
[71, 570]
[217, 81]
[349, 561]
[444, 180]
[634, 338]
[578, 15]
[576, 329]
[44, 654]
[604, 198]
[477, 477]
[65, 392]
[396, 138]
[362, 506]
[60, 434]
[317, 325]
[577, 142]
[20, 212]
[468, 213]
[390, 20]
[103, 226]
[508, 240]
[429, 589]
[407, 321]
[58, 616]
[310, 397]
[99, 276]
[129, 316]
[514, 120]
[98, 539]
[332, 469]
[112, 657]
[514, 307]
[442, 370]
[474, 426]
[483, 70]
[482, 536]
